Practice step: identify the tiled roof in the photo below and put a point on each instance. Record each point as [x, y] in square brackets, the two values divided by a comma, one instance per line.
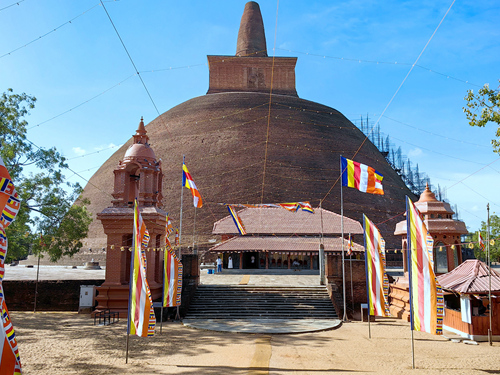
[281, 221]
[470, 277]
[436, 226]
[282, 243]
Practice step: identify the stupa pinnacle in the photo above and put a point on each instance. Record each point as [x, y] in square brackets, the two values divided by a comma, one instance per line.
[251, 36]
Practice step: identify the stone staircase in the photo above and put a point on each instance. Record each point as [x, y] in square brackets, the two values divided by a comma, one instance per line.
[261, 302]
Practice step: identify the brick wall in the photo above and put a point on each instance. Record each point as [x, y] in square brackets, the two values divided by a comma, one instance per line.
[190, 280]
[60, 295]
[333, 271]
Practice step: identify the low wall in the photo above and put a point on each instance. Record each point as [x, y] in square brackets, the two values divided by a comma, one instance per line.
[190, 281]
[355, 287]
[64, 295]
[53, 295]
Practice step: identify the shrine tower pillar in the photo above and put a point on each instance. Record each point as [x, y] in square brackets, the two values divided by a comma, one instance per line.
[137, 176]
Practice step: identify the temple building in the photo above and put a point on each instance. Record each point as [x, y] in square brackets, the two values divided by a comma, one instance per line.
[445, 231]
[252, 139]
[276, 238]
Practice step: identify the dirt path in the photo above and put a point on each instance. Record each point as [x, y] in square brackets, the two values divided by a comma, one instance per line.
[68, 343]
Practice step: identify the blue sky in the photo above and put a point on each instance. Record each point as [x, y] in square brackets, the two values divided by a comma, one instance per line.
[352, 56]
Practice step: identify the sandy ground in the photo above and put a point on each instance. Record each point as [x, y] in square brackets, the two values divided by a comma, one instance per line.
[68, 343]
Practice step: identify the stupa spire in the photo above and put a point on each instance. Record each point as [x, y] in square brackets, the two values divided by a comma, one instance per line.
[251, 36]
[140, 135]
[427, 195]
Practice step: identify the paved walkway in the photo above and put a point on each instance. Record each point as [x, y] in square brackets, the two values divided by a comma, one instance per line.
[261, 277]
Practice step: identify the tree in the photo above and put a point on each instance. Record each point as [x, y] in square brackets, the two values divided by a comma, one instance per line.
[494, 235]
[50, 206]
[484, 108]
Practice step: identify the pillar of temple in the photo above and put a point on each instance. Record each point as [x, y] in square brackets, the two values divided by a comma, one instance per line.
[137, 176]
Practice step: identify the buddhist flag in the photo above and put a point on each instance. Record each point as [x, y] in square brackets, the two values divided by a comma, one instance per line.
[306, 206]
[377, 280]
[172, 280]
[168, 227]
[426, 295]
[142, 319]
[349, 245]
[9, 200]
[480, 241]
[176, 240]
[361, 177]
[188, 182]
[168, 230]
[10, 362]
[237, 220]
[294, 206]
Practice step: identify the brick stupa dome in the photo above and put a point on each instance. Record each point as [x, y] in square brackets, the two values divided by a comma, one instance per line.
[243, 145]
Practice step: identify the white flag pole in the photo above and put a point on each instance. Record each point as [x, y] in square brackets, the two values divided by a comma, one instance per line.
[490, 332]
[410, 285]
[342, 230]
[182, 200]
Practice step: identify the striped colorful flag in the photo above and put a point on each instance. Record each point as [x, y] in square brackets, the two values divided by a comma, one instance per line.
[306, 206]
[10, 362]
[482, 246]
[293, 206]
[172, 280]
[168, 245]
[168, 228]
[142, 319]
[426, 295]
[349, 245]
[188, 182]
[237, 220]
[377, 280]
[361, 177]
[176, 240]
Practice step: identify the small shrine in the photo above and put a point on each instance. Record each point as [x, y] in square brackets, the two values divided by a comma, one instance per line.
[137, 176]
[447, 252]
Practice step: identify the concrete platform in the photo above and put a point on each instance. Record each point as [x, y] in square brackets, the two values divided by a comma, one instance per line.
[21, 272]
[264, 326]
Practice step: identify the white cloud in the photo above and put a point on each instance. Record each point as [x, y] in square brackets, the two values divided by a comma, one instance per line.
[415, 152]
[79, 151]
[105, 147]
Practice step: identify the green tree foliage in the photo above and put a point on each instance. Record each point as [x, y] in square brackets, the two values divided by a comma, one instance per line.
[494, 235]
[49, 204]
[482, 108]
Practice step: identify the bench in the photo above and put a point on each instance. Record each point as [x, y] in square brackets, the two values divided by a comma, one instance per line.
[106, 317]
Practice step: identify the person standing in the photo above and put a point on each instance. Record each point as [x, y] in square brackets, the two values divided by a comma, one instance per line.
[219, 264]
[230, 262]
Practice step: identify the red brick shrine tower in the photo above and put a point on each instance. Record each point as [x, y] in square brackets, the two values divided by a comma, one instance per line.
[447, 251]
[137, 176]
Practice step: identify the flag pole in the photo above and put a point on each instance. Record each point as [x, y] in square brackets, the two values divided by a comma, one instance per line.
[342, 230]
[131, 280]
[366, 277]
[163, 287]
[37, 272]
[408, 246]
[182, 195]
[321, 252]
[194, 232]
[490, 338]
[352, 287]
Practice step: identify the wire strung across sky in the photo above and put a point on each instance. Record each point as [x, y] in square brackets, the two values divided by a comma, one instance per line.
[138, 73]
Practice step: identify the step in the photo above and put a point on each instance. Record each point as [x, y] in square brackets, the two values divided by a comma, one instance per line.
[252, 302]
